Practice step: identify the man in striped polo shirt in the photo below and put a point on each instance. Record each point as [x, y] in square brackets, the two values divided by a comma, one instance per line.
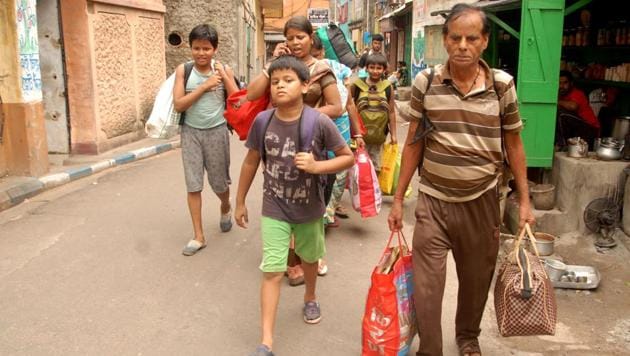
[474, 112]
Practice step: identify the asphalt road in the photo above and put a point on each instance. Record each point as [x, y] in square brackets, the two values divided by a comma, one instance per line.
[95, 268]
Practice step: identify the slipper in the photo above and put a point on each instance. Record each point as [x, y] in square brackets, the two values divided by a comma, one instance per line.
[334, 223]
[192, 247]
[341, 212]
[322, 268]
[469, 348]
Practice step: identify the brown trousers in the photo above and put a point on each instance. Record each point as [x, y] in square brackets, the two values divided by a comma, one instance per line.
[471, 231]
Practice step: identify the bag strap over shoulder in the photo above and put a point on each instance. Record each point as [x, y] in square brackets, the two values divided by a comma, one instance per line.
[188, 67]
[260, 128]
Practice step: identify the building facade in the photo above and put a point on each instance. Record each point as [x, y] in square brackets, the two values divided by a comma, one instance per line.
[77, 77]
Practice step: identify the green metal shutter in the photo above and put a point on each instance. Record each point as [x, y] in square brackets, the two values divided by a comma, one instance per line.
[538, 70]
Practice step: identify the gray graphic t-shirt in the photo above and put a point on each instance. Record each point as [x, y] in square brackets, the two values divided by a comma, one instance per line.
[290, 194]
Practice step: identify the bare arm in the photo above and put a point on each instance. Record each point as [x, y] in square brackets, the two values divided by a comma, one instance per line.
[248, 172]
[258, 87]
[181, 100]
[344, 159]
[228, 79]
[353, 115]
[392, 119]
[568, 105]
[516, 157]
[333, 107]
[411, 156]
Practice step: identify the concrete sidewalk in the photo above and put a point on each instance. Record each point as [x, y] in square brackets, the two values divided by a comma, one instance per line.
[67, 168]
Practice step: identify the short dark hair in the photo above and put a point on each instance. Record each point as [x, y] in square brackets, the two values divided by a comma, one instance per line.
[566, 74]
[317, 42]
[290, 63]
[204, 32]
[376, 58]
[461, 9]
[377, 37]
[300, 23]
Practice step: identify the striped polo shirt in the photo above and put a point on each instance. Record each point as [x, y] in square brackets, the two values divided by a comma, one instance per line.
[463, 156]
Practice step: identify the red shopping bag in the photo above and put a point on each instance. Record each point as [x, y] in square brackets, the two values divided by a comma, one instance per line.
[240, 112]
[389, 321]
[364, 187]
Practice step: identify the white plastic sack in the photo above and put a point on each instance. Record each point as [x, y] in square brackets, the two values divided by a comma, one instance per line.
[164, 120]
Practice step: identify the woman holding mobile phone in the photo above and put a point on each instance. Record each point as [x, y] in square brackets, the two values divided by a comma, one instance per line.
[321, 94]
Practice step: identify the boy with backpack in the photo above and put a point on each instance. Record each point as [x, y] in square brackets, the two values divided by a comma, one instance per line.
[288, 139]
[375, 103]
[199, 95]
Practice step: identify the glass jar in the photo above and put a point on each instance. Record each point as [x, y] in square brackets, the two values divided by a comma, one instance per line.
[571, 41]
[578, 36]
[565, 38]
[586, 37]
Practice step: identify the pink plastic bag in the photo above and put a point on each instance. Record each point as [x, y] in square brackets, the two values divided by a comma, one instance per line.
[364, 187]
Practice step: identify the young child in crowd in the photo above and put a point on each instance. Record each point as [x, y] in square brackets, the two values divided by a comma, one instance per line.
[292, 196]
[204, 134]
[374, 99]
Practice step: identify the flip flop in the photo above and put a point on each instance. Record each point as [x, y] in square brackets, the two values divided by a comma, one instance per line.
[192, 247]
[341, 212]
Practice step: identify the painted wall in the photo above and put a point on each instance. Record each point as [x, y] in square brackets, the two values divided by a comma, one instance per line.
[115, 64]
[23, 149]
[53, 79]
[183, 15]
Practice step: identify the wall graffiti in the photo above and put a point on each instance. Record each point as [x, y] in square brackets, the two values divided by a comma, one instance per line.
[29, 50]
[417, 60]
[417, 55]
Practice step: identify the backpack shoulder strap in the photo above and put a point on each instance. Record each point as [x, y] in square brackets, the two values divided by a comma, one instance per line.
[429, 80]
[359, 86]
[261, 123]
[307, 126]
[188, 67]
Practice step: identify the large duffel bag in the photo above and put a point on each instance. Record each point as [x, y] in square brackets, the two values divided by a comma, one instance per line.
[337, 46]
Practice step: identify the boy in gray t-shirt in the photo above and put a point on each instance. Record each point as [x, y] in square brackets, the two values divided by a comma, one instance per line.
[293, 201]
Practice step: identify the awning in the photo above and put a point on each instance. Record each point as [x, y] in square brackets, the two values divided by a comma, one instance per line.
[399, 11]
[487, 5]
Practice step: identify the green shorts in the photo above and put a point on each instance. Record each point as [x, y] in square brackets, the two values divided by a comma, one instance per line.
[276, 237]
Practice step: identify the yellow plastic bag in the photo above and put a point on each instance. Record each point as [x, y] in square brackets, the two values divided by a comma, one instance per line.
[388, 165]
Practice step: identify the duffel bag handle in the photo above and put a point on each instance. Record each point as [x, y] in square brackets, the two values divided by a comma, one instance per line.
[530, 235]
[526, 277]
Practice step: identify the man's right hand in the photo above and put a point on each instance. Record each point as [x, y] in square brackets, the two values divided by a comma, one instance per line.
[213, 82]
[394, 220]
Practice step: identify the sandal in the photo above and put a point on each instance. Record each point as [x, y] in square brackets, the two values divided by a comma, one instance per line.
[192, 247]
[322, 268]
[262, 350]
[341, 212]
[295, 275]
[469, 348]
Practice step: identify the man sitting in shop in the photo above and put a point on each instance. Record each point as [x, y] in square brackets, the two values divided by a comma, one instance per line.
[575, 116]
